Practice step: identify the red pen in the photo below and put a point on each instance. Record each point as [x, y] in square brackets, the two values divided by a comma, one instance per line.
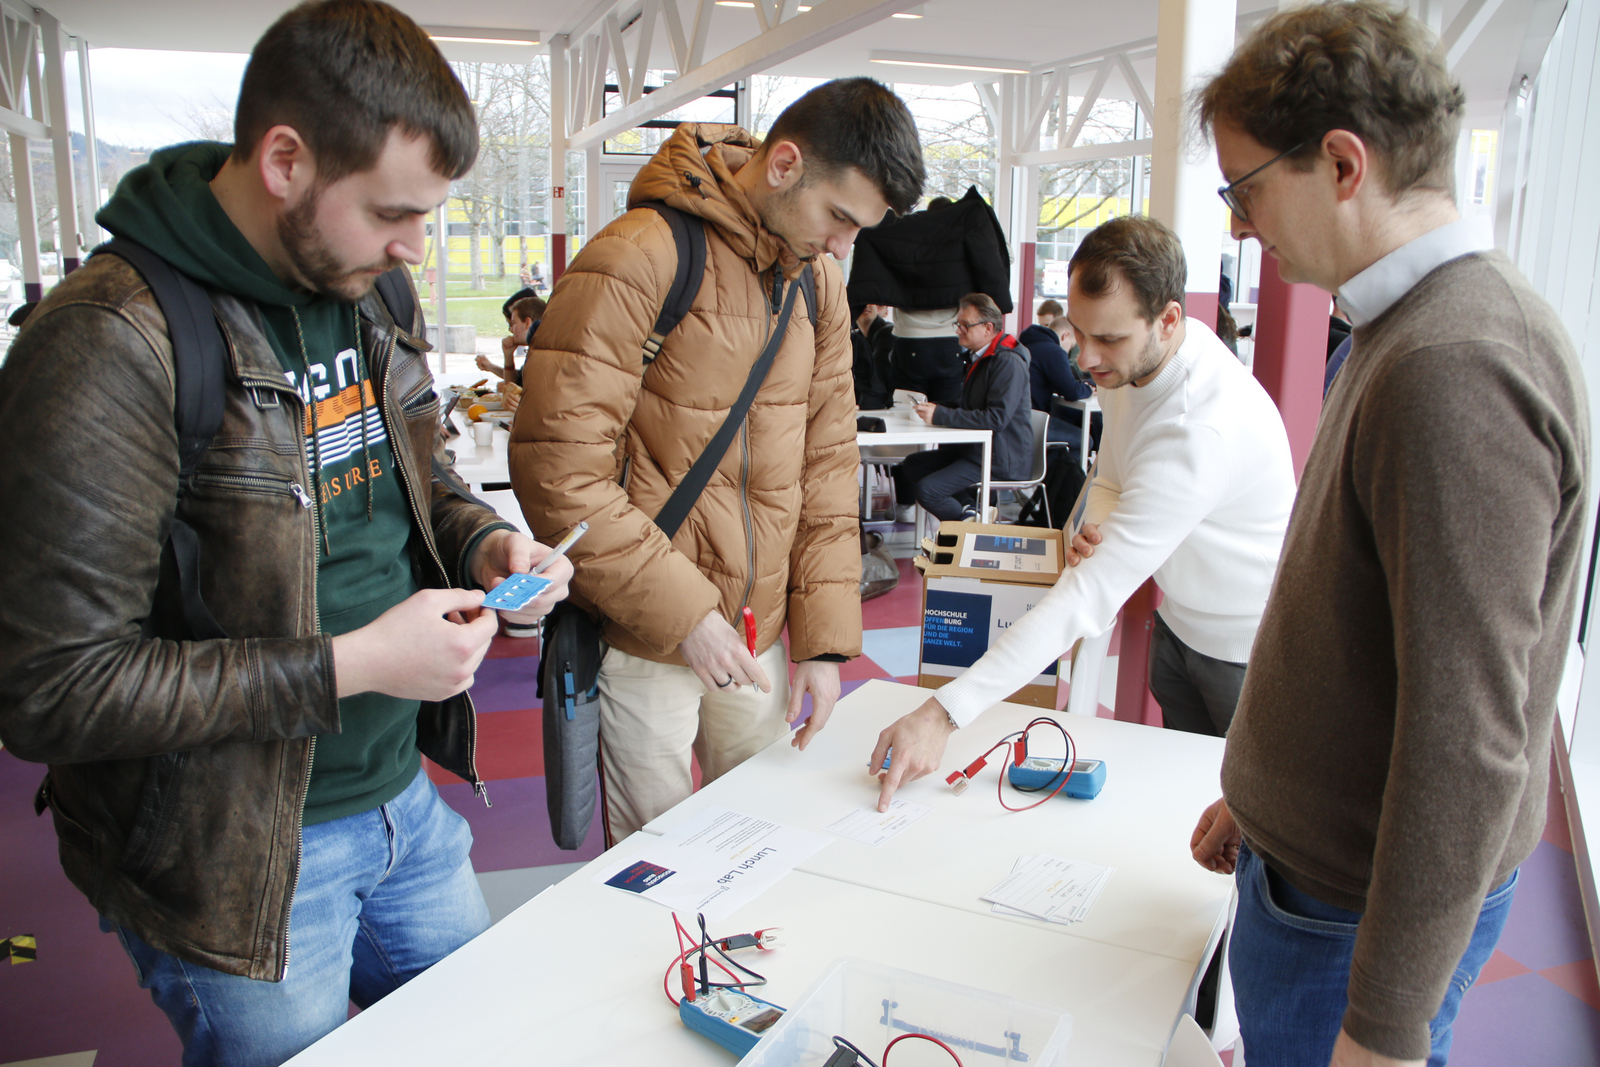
[750, 629]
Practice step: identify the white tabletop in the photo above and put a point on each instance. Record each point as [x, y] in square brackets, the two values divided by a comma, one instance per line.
[903, 427]
[574, 976]
[1158, 900]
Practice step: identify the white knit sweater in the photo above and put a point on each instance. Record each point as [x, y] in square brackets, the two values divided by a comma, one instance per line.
[1193, 485]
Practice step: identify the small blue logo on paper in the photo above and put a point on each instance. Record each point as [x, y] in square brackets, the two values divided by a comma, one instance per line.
[955, 628]
[638, 877]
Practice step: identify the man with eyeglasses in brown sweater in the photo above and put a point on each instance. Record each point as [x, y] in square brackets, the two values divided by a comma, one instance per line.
[1386, 771]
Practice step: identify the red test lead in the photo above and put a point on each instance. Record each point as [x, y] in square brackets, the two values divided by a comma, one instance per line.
[749, 629]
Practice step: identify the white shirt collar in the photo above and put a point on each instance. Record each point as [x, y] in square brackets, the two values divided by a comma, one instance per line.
[1376, 289]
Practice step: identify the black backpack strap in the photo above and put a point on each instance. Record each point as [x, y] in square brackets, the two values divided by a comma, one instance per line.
[199, 358]
[808, 286]
[689, 238]
[694, 483]
[395, 290]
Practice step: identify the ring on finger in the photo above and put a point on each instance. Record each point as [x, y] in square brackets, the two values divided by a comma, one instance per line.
[724, 685]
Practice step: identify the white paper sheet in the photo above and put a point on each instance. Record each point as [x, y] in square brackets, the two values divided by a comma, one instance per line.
[875, 827]
[1051, 888]
[714, 863]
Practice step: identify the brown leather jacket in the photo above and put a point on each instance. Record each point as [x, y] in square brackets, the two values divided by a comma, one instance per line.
[178, 769]
[601, 439]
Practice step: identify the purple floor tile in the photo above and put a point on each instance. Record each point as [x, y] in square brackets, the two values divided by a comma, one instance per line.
[1546, 926]
[507, 684]
[1525, 1020]
[515, 833]
[80, 994]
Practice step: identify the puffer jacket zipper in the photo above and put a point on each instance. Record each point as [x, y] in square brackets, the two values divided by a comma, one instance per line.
[744, 445]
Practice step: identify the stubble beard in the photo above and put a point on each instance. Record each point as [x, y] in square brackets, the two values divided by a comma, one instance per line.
[319, 269]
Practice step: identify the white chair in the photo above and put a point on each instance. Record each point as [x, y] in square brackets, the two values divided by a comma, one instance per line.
[1190, 1047]
[1040, 420]
[1088, 662]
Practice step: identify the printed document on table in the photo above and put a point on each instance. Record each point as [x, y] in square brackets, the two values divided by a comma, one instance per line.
[1047, 887]
[874, 826]
[715, 863]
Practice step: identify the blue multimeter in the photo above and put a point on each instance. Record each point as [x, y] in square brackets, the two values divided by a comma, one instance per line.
[732, 1019]
[1043, 773]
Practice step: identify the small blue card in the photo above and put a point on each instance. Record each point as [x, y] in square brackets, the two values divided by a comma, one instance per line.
[516, 592]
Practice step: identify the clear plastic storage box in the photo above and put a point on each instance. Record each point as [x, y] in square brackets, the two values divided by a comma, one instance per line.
[870, 1004]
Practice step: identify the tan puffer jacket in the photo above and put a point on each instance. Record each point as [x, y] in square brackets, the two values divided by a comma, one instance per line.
[776, 528]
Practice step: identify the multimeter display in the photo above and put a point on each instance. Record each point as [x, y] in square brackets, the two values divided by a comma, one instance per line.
[1043, 773]
[733, 1020]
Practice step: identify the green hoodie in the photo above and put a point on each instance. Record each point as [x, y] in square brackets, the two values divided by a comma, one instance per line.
[364, 567]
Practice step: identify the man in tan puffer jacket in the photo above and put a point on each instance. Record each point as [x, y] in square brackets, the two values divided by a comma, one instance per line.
[602, 439]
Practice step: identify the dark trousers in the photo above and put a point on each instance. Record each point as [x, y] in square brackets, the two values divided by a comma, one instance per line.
[941, 480]
[929, 365]
[1197, 693]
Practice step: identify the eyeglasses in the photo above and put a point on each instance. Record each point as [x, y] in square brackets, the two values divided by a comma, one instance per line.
[963, 327]
[1230, 192]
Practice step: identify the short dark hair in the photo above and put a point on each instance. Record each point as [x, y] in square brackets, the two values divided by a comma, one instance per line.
[511, 301]
[343, 73]
[1138, 250]
[1356, 65]
[530, 308]
[1049, 310]
[861, 123]
[939, 202]
[988, 311]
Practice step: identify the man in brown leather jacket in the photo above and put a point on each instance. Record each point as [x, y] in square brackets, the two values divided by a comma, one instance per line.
[602, 440]
[221, 801]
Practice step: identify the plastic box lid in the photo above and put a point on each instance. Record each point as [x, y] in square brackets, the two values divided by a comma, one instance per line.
[870, 1004]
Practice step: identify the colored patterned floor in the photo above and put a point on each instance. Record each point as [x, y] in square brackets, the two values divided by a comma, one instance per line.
[1538, 1002]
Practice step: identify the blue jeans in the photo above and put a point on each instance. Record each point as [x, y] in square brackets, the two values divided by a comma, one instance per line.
[1290, 956]
[383, 895]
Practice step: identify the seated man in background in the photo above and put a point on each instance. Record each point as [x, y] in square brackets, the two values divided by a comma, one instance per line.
[1048, 312]
[994, 396]
[1050, 374]
[523, 317]
[1193, 486]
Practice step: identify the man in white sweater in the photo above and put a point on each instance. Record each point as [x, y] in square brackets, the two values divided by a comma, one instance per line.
[1193, 485]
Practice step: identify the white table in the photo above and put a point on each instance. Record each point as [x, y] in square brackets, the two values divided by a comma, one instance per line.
[574, 976]
[903, 427]
[1158, 901]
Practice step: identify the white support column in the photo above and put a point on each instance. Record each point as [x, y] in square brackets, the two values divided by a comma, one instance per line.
[594, 196]
[1192, 39]
[55, 88]
[27, 217]
[560, 88]
[92, 233]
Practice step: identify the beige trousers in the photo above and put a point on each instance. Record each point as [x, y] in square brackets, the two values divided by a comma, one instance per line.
[652, 715]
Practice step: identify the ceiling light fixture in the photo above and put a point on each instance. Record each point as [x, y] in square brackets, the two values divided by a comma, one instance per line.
[483, 35]
[978, 63]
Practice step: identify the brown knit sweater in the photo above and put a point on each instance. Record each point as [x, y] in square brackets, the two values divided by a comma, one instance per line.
[1392, 743]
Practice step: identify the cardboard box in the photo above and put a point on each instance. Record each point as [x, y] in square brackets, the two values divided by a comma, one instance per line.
[978, 580]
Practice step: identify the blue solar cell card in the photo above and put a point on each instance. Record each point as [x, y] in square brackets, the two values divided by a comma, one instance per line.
[516, 592]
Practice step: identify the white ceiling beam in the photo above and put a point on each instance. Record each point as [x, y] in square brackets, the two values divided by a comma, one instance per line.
[702, 31]
[989, 96]
[675, 36]
[588, 19]
[16, 122]
[641, 60]
[1085, 153]
[1465, 28]
[624, 71]
[806, 31]
[1136, 84]
[1046, 97]
[1086, 105]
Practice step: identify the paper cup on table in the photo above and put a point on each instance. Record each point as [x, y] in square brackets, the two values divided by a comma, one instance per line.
[482, 432]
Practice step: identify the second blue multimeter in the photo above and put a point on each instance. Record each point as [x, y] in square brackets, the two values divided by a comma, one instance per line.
[1043, 773]
[732, 1019]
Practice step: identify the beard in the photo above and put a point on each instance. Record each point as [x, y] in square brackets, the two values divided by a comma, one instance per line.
[779, 217]
[318, 267]
[1149, 360]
